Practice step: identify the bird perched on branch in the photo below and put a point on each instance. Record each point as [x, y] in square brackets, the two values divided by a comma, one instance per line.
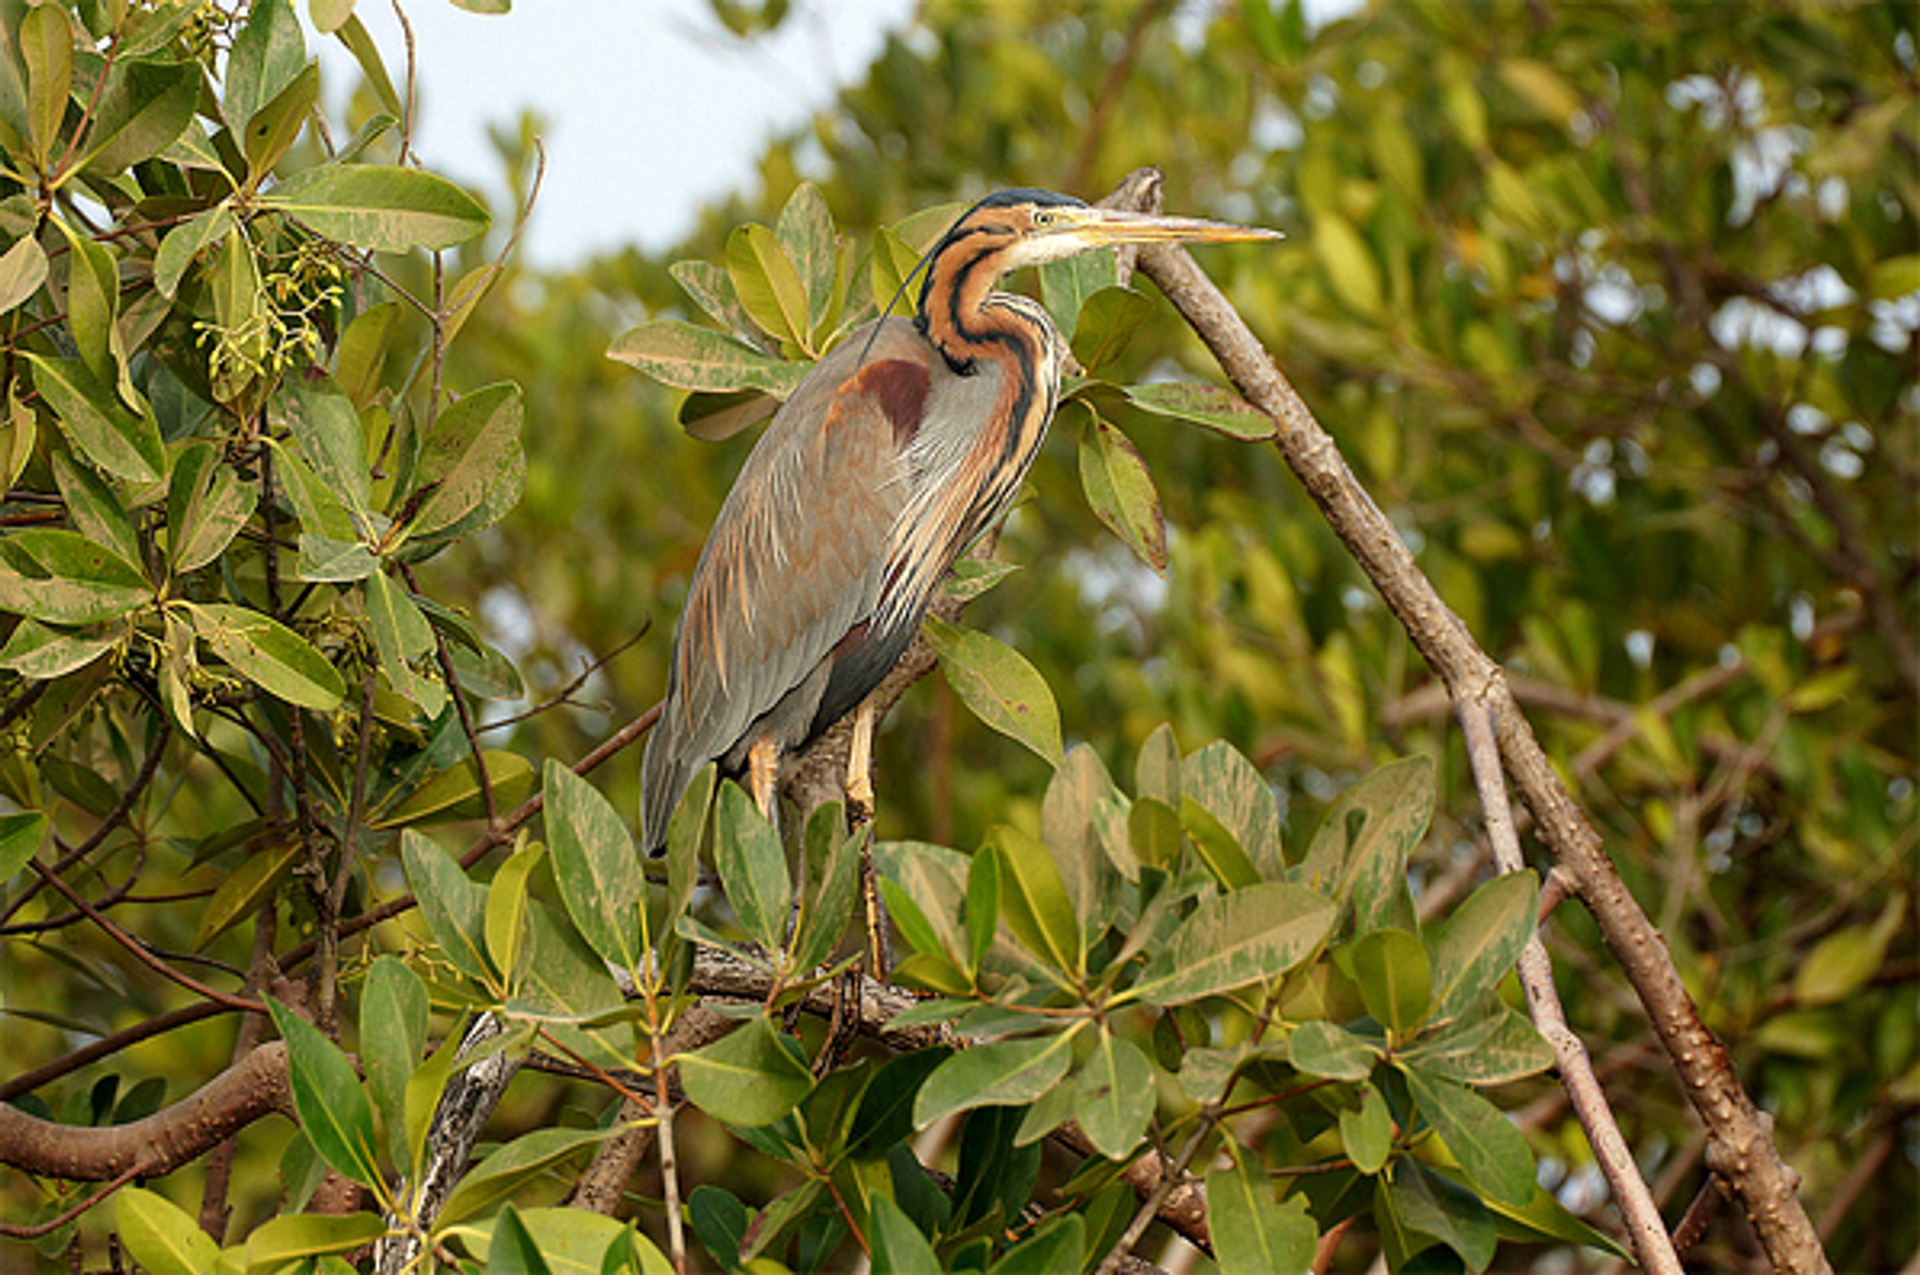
[900, 447]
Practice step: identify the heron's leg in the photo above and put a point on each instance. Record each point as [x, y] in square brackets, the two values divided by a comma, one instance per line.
[763, 777]
[860, 820]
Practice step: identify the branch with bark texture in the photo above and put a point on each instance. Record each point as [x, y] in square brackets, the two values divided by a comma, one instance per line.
[1740, 1143]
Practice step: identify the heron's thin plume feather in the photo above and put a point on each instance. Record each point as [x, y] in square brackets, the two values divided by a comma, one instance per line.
[919, 267]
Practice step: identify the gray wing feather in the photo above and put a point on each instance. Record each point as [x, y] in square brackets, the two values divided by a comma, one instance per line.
[796, 559]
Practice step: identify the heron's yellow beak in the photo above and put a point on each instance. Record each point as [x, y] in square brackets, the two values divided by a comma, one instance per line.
[1102, 227]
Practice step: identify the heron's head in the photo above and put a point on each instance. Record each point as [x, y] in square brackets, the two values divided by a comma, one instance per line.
[1025, 227]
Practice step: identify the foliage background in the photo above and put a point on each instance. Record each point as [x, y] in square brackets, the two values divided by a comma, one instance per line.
[1612, 310]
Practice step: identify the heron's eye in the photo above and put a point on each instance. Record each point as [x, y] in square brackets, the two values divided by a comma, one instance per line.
[1042, 218]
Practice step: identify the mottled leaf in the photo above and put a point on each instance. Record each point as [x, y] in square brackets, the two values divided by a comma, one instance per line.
[385, 209]
[995, 681]
[269, 654]
[1120, 492]
[1248, 936]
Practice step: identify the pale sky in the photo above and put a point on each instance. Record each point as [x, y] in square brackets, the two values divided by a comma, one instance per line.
[651, 107]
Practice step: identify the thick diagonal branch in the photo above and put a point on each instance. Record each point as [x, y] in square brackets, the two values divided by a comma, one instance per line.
[1740, 1142]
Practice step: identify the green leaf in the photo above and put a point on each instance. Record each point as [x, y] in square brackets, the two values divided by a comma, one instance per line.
[752, 867]
[1056, 1245]
[242, 891]
[454, 793]
[207, 504]
[400, 634]
[694, 358]
[768, 285]
[512, 1250]
[293, 1236]
[806, 235]
[393, 1041]
[327, 428]
[1065, 285]
[162, 1236]
[1082, 825]
[1108, 320]
[267, 54]
[23, 268]
[46, 45]
[95, 508]
[1154, 831]
[1349, 262]
[998, 684]
[1491, 1152]
[1114, 1096]
[971, 577]
[594, 865]
[93, 301]
[982, 914]
[1395, 979]
[504, 1171]
[893, 263]
[885, 1114]
[473, 455]
[385, 209]
[1156, 772]
[1418, 1202]
[1034, 902]
[65, 578]
[35, 651]
[273, 128]
[505, 909]
[454, 907]
[558, 980]
[144, 107]
[1543, 88]
[269, 654]
[1120, 492]
[1367, 1131]
[1253, 1233]
[1361, 848]
[1481, 940]
[353, 35]
[1542, 1218]
[1844, 962]
[1321, 1048]
[1000, 1073]
[1251, 935]
[898, 1246]
[21, 836]
[751, 1076]
[92, 417]
[720, 1220]
[332, 1106]
[832, 880]
[425, 1086]
[360, 355]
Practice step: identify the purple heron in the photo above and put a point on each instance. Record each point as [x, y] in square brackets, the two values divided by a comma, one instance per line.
[900, 447]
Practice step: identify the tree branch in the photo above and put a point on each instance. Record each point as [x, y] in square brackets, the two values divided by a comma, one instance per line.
[256, 1086]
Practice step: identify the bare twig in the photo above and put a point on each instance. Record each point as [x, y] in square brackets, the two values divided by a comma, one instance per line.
[1645, 1229]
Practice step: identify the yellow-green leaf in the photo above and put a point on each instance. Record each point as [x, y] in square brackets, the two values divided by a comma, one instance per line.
[999, 685]
[767, 283]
